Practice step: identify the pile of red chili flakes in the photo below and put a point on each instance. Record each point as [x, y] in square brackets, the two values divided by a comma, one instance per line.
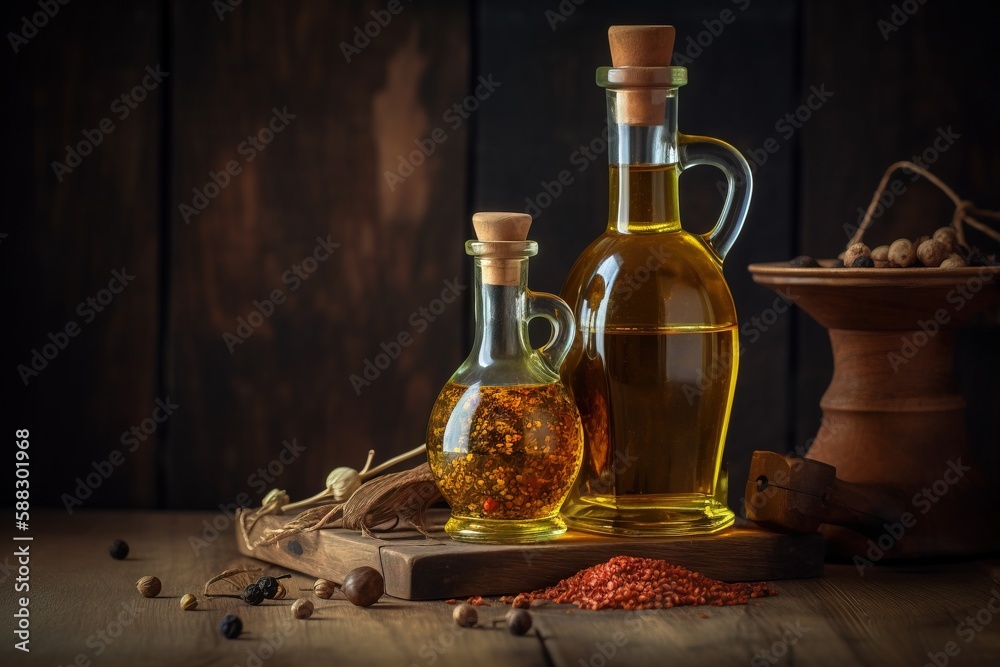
[627, 582]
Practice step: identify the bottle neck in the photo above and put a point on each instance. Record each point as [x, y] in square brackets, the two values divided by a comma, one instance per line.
[643, 168]
[501, 318]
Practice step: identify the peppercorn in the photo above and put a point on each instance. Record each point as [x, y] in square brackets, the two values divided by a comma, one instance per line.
[804, 262]
[363, 586]
[947, 237]
[880, 256]
[149, 587]
[863, 263]
[189, 602]
[854, 251]
[518, 621]
[230, 626]
[271, 587]
[253, 594]
[324, 588]
[302, 608]
[465, 615]
[118, 549]
[932, 253]
[902, 253]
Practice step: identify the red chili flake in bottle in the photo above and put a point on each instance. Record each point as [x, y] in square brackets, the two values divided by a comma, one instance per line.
[627, 582]
[491, 505]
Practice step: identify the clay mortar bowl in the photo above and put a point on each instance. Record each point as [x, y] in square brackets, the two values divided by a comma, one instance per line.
[893, 416]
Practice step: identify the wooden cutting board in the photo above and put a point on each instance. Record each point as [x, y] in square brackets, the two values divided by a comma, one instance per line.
[419, 568]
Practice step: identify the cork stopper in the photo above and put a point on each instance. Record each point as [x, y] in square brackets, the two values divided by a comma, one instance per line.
[641, 46]
[504, 235]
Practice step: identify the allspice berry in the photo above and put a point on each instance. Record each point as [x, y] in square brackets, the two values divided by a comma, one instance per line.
[324, 589]
[189, 602]
[118, 549]
[230, 626]
[902, 253]
[149, 587]
[880, 256]
[302, 608]
[947, 237]
[465, 615]
[854, 251]
[932, 253]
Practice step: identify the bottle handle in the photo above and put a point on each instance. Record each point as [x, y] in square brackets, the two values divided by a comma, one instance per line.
[560, 316]
[694, 150]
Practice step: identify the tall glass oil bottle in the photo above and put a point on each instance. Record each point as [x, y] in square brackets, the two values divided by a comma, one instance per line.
[654, 362]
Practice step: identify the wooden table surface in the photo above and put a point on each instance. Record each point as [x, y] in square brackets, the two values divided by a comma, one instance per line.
[85, 610]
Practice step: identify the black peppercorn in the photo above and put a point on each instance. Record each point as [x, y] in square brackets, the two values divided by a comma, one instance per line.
[253, 594]
[863, 263]
[804, 262]
[518, 621]
[230, 626]
[269, 585]
[118, 549]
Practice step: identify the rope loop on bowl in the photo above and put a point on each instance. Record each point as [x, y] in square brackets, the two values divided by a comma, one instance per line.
[964, 208]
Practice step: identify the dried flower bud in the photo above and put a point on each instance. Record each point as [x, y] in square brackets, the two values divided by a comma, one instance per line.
[343, 482]
[902, 253]
[880, 256]
[324, 589]
[932, 253]
[854, 251]
[465, 615]
[302, 608]
[149, 587]
[947, 237]
[189, 602]
[953, 262]
[276, 496]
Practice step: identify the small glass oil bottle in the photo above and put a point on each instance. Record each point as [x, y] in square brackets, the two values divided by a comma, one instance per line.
[504, 439]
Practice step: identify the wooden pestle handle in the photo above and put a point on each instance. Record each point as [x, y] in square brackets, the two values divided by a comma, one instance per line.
[793, 494]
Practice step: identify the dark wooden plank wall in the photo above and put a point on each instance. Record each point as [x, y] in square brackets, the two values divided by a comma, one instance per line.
[66, 237]
[323, 176]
